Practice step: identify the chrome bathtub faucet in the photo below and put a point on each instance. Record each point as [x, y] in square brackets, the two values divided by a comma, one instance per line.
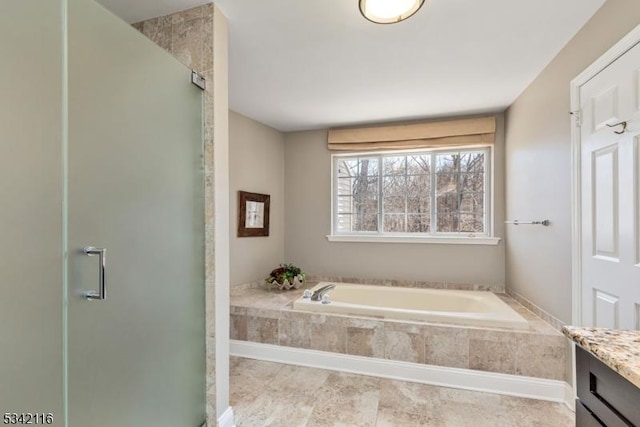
[318, 293]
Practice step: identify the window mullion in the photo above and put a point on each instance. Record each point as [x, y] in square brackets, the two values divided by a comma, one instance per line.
[334, 196]
[406, 196]
[380, 197]
[487, 193]
[433, 210]
[459, 189]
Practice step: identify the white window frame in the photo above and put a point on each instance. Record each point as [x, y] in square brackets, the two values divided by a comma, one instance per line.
[485, 238]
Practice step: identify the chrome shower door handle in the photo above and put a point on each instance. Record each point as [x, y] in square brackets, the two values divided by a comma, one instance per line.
[102, 258]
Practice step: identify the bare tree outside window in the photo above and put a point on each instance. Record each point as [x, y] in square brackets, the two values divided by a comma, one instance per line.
[406, 194]
[358, 180]
[460, 192]
[425, 192]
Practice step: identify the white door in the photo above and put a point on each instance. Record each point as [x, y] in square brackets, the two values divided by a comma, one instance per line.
[610, 158]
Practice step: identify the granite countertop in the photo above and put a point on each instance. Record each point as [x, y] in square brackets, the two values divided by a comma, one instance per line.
[618, 349]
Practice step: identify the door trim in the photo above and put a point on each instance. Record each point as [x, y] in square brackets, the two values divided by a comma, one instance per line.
[615, 52]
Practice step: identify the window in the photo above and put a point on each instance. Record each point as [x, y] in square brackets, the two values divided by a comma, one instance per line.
[412, 194]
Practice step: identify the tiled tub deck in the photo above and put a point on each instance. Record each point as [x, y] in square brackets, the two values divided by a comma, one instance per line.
[262, 316]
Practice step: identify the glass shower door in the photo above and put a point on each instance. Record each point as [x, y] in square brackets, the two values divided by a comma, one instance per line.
[31, 209]
[135, 196]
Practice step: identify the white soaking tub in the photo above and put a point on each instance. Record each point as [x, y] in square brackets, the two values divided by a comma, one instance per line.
[471, 308]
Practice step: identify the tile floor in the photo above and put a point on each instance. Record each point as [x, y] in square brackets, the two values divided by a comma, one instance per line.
[274, 394]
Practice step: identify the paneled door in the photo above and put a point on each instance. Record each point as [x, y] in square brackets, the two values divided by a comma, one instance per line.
[135, 203]
[610, 158]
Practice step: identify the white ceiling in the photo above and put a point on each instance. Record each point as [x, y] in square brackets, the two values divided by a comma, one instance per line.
[139, 10]
[301, 64]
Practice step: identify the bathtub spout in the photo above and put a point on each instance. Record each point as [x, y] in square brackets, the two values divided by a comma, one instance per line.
[318, 293]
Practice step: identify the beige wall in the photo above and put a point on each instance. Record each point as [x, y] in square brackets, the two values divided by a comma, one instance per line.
[538, 164]
[257, 164]
[308, 220]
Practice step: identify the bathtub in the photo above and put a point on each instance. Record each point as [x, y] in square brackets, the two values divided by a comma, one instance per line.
[471, 308]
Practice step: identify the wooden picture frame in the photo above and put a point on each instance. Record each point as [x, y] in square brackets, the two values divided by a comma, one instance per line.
[253, 214]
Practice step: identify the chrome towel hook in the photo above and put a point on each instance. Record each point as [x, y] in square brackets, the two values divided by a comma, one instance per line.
[619, 132]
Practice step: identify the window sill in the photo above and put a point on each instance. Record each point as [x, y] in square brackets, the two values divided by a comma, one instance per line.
[443, 240]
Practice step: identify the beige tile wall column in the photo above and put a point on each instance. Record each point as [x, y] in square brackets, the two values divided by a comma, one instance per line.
[189, 36]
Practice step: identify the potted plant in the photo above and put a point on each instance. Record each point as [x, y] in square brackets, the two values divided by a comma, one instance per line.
[287, 276]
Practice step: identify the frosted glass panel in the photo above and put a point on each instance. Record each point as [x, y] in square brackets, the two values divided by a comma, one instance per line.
[31, 207]
[136, 189]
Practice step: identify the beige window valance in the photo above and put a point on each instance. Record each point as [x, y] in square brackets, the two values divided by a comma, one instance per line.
[441, 134]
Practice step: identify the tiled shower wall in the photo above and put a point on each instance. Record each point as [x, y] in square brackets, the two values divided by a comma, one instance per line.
[188, 36]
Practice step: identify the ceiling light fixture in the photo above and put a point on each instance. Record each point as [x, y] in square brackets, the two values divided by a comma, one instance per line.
[389, 11]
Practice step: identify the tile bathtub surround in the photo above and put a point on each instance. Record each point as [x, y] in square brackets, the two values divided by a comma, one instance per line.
[273, 394]
[618, 349]
[408, 283]
[264, 316]
[553, 321]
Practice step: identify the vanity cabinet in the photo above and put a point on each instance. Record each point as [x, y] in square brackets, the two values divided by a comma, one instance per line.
[604, 397]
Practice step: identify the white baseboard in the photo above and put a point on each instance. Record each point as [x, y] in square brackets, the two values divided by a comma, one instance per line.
[468, 379]
[569, 397]
[227, 419]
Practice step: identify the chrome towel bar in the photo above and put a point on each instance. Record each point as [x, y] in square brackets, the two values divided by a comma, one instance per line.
[544, 222]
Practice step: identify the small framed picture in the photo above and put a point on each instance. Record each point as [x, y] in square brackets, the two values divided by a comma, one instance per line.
[253, 214]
